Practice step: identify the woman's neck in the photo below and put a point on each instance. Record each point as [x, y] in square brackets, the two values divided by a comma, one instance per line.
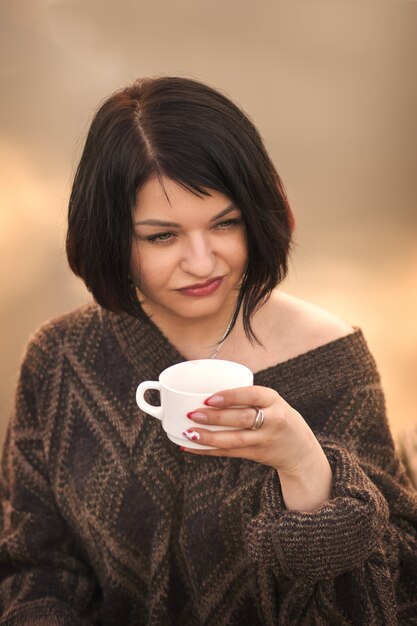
[194, 338]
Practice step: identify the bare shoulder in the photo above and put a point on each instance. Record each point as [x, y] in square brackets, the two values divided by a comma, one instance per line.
[303, 326]
[321, 323]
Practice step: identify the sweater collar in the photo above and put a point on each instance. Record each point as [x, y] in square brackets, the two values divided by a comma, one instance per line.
[144, 345]
[331, 365]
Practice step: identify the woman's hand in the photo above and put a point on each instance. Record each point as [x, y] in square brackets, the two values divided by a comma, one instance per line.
[284, 441]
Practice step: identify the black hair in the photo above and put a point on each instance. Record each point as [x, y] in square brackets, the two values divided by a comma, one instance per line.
[193, 134]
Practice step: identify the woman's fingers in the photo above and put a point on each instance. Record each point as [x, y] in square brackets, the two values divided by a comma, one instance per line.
[283, 441]
[243, 396]
[238, 408]
[235, 410]
[224, 440]
[243, 417]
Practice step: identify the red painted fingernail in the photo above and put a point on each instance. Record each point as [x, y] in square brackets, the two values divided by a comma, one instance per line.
[192, 435]
[214, 401]
[197, 415]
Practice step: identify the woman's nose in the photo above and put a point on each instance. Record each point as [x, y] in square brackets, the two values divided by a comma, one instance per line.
[198, 258]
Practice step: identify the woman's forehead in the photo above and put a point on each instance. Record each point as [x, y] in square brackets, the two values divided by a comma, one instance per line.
[168, 198]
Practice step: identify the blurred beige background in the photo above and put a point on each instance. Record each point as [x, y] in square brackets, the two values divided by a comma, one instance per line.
[332, 89]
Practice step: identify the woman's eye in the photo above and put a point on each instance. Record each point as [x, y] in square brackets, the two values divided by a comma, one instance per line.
[161, 237]
[227, 224]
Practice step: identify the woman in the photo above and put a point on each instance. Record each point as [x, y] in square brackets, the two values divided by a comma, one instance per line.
[179, 226]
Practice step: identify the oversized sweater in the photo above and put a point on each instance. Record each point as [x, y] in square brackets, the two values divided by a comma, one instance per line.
[107, 522]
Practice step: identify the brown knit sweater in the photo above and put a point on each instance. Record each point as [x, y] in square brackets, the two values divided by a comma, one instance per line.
[105, 521]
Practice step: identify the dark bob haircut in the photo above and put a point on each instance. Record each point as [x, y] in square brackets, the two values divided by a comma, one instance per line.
[184, 130]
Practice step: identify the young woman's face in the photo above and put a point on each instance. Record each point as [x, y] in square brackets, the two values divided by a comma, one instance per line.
[189, 254]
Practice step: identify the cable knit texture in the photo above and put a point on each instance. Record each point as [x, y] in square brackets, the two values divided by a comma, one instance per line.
[106, 522]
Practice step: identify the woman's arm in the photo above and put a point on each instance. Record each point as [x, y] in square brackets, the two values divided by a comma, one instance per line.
[352, 558]
[309, 487]
[43, 578]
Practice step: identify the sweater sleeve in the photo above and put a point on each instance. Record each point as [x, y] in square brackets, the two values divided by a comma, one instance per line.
[356, 555]
[43, 577]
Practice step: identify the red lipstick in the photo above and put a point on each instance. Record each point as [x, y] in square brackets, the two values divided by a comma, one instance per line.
[202, 289]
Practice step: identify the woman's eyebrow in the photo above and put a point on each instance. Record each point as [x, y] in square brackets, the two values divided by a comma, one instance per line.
[225, 211]
[152, 222]
[157, 223]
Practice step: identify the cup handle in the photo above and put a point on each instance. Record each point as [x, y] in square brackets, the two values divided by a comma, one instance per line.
[155, 411]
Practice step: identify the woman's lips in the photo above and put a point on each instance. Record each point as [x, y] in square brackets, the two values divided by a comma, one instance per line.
[203, 289]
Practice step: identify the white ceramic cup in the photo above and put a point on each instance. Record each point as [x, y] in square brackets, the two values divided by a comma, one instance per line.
[184, 387]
